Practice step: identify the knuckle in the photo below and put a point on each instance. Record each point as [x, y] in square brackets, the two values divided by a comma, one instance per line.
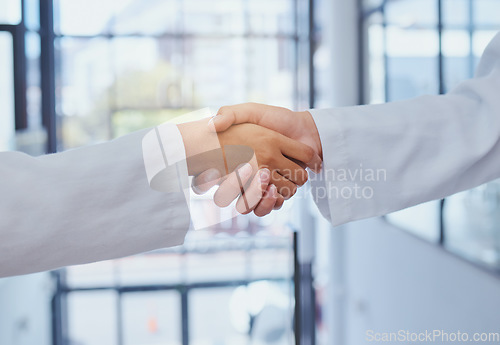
[223, 109]
[279, 204]
[289, 191]
[309, 153]
[259, 212]
[302, 178]
[265, 159]
[305, 177]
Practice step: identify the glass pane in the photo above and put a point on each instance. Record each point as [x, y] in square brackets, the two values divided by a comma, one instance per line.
[421, 220]
[99, 274]
[486, 13]
[142, 17]
[92, 318]
[481, 39]
[86, 17]
[456, 13]
[84, 79]
[148, 73]
[151, 269]
[376, 62]
[230, 71]
[33, 140]
[271, 17]
[219, 328]
[213, 17]
[258, 314]
[412, 13]
[369, 4]
[456, 43]
[130, 120]
[273, 263]
[472, 220]
[152, 318]
[456, 70]
[458, 60]
[271, 75]
[32, 14]
[7, 117]
[215, 69]
[11, 12]
[412, 63]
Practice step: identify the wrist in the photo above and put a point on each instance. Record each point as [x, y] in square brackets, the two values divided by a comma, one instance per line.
[198, 141]
[312, 131]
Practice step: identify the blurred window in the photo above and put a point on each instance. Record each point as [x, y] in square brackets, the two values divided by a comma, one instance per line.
[409, 55]
[131, 65]
[151, 318]
[6, 92]
[121, 66]
[11, 12]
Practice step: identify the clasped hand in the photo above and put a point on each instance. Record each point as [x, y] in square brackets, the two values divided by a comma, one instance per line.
[282, 144]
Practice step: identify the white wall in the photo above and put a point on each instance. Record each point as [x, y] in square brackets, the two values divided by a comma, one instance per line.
[395, 281]
[25, 315]
[379, 277]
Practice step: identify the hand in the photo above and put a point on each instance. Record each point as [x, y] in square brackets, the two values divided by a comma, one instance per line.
[265, 196]
[280, 154]
[296, 125]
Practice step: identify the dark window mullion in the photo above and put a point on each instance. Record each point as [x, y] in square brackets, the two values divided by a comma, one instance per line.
[47, 69]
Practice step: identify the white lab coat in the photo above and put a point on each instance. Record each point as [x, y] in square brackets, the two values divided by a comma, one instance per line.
[405, 153]
[95, 203]
[84, 205]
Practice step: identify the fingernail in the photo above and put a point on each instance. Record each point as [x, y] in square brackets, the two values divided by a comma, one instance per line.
[273, 190]
[245, 171]
[264, 174]
[212, 175]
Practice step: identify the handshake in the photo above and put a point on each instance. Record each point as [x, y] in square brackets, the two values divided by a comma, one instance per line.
[255, 153]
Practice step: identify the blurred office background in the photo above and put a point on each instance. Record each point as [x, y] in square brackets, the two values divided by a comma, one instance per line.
[76, 72]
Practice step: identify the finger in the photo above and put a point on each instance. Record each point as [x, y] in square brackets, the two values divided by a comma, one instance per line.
[231, 187]
[268, 202]
[254, 192]
[301, 152]
[301, 164]
[279, 202]
[291, 170]
[206, 180]
[285, 187]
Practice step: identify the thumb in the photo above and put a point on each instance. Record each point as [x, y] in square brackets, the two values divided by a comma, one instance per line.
[233, 115]
[221, 122]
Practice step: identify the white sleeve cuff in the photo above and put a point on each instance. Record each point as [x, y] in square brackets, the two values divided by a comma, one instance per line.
[327, 193]
[165, 159]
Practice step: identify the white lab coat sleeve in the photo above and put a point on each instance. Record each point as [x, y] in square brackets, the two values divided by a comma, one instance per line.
[383, 158]
[84, 205]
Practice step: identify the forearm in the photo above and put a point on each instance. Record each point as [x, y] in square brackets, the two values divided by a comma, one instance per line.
[81, 206]
[202, 147]
[409, 152]
[380, 159]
